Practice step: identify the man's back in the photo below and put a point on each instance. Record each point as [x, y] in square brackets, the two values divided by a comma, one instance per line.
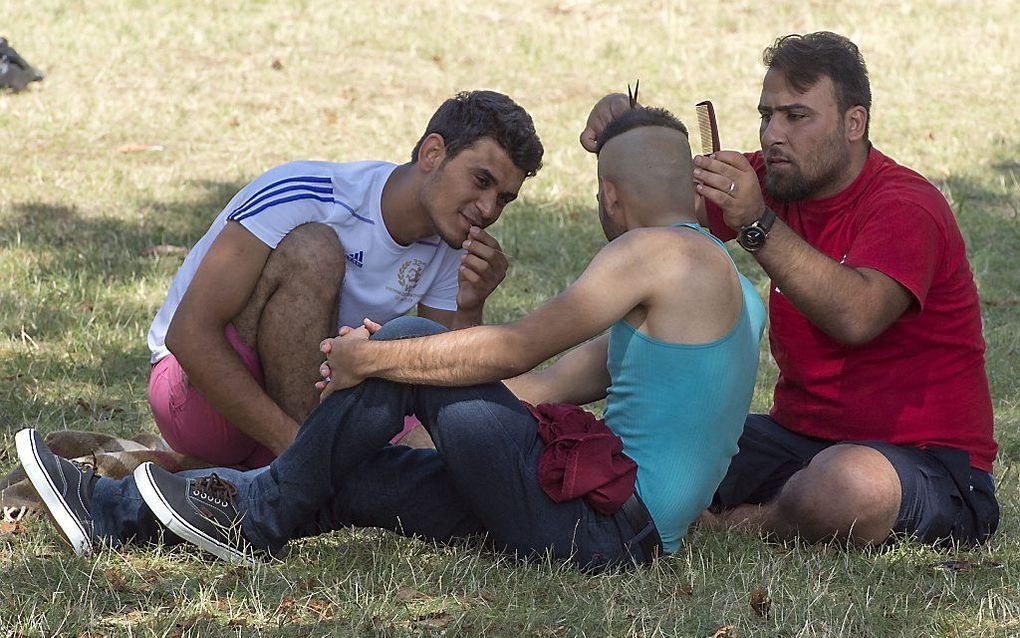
[683, 377]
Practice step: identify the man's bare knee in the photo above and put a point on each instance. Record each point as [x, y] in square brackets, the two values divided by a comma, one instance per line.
[847, 492]
[308, 257]
[311, 253]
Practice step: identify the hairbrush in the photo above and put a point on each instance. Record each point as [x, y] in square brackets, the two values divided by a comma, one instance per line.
[707, 127]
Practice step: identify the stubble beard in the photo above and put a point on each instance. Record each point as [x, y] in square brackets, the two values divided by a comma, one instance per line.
[429, 201]
[831, 160]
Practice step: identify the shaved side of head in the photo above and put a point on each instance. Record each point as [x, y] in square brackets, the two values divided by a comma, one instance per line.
[651, 168]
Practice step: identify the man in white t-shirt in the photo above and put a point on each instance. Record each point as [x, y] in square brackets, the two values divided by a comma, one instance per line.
[235, 345]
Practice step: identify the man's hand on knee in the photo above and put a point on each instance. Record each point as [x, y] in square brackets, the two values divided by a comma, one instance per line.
[337, 371]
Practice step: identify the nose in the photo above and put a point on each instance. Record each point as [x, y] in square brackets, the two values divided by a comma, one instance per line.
[488, 207]
[771, 132]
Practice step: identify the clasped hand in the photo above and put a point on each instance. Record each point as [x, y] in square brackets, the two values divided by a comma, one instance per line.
[339, 369]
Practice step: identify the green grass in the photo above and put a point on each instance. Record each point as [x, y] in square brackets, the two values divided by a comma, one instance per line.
[358, 80]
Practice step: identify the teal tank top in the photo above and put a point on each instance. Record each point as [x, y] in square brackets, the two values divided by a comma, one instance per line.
[680, 408]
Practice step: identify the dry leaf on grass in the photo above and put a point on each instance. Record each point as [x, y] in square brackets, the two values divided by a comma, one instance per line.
[726, 631]
[405, 594]
[760, 602]
[323, 609]
[1001, 303]
[164, 250]
[285, 605]
[116, 580]
[11, 527]
[88, 407]
[964, 565]
[140, 148]
[436, 620]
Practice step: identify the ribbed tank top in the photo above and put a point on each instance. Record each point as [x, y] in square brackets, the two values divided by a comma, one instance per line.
[680, 408]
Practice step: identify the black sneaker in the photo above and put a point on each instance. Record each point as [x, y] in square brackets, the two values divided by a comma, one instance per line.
[199, 510]
[65, 487]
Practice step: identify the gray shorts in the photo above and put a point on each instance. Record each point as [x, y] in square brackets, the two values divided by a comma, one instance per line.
[944, 499]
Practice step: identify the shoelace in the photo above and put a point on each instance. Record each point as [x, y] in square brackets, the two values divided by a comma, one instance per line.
[86, 468]
[215, 489]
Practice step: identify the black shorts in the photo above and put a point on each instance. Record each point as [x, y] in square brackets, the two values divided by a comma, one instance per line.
[944, 499]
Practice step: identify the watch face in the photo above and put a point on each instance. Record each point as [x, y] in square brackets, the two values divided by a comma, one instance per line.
[751, 238]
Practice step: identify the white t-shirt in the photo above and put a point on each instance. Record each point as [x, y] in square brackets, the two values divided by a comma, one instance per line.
[384, 280]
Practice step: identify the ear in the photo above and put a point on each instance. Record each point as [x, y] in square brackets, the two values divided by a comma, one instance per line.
[855, 122]
[610, 197]
[432, 152]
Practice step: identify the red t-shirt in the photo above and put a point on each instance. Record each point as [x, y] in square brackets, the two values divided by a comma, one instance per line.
[920, 383]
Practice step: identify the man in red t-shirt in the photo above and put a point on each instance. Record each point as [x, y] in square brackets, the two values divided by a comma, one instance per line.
[882, 418]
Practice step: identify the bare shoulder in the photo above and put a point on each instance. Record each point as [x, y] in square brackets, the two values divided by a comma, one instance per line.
[696, 294]
[676, 249]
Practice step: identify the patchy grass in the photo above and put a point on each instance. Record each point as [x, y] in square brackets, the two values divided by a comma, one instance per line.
[153, 114]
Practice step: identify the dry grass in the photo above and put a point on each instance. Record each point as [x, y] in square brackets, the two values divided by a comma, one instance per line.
[222, 91]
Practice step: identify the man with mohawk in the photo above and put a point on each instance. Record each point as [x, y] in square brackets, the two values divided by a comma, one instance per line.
[881, 423]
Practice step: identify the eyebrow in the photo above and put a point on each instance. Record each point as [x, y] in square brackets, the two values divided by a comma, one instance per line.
[505, 196]
[785, 107]
[486, 173]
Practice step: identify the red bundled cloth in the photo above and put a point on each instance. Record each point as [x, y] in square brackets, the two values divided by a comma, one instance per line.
[582, 457]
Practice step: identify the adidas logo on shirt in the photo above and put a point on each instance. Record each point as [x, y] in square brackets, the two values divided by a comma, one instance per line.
[358, 258]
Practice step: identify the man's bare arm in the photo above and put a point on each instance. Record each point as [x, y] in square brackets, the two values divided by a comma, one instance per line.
[218, 292]
[578, 377]
[851, 305]
[613, 284]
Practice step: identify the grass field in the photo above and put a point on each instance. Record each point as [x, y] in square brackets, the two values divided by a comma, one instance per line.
[154, 113]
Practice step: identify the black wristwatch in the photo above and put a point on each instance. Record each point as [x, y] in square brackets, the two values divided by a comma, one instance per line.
[752, 237]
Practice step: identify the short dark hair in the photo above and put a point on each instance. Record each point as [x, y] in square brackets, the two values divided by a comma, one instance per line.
[636, 118]
[803, 59]
[471, 115]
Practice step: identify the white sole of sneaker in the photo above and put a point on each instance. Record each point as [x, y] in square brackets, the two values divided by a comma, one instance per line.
[172, 521]
[67, 522]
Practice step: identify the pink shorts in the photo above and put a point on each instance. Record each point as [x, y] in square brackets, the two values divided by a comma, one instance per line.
[191, 426]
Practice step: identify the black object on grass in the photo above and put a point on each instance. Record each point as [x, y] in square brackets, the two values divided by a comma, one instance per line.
[15, 72]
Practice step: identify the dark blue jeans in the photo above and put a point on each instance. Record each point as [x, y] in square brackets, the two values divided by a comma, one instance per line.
[482, 476]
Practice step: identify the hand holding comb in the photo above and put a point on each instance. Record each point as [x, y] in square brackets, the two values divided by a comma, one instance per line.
[707, 127]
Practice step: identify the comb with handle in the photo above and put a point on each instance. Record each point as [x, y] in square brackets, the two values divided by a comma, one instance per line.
[707, 127]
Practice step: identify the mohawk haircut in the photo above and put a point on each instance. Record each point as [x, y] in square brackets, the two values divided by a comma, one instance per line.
[637, 118]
